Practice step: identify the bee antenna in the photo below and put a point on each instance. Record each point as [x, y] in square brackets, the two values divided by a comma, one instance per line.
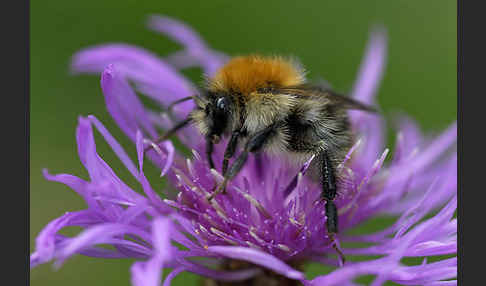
[169, 132]
[174, 103]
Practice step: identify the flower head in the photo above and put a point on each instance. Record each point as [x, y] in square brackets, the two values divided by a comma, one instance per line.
[271, 217]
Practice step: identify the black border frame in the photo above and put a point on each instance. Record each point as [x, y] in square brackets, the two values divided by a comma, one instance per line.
[460, 42]
[15, 117]
[471, 64]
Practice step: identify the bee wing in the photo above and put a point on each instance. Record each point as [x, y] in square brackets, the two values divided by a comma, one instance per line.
[334, 98]
[349, 103]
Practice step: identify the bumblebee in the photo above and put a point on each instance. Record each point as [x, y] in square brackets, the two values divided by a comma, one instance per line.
[264, 104]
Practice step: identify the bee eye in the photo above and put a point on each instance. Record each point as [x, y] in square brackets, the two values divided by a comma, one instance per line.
[222, 103]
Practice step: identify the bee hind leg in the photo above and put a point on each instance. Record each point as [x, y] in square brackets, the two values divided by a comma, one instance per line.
[329, 191]
[254, 144]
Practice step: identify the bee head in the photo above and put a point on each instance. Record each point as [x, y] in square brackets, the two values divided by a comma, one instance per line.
[213, 115]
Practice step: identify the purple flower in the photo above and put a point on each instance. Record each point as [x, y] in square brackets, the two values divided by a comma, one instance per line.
[271, 218]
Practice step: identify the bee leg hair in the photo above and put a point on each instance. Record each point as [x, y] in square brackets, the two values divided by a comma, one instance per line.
[254, 144]
[209, 152]
[329, 191]
[230, 150]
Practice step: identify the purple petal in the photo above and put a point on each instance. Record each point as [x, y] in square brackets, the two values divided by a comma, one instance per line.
[372, 128]
[442, 283]
[346, 273]
[123, 104]
[99, 171]
[416, 212]
[372, 67]
[131, 213]
[149, 273]
[45, 243]
[170, 157]
[103, 253]
[434, 236]
[149, 73]
[177, 31]
[196, 53]
[172, 275]
[186, 226]
[228, 276]
[408, 138]
[161, 228]
[293, 183]
[127, 110]
[115, 146]
[80, 186]
[153, 196]
[123, 249]
[364, 90]
[405, 275]
[259, 258]
[433, 151]
[98, 234]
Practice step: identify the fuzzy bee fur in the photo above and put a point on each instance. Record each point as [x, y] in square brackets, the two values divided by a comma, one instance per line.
[263, 104]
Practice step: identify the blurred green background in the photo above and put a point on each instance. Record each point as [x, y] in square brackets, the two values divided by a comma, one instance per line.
[328, 36]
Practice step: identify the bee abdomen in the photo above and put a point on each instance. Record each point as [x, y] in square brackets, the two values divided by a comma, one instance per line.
[314, 128]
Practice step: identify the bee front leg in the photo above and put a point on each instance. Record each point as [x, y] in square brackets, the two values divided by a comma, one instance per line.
[228, 153]
[230, 150]
[329, 191]
[254, 144]
[209, 152]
